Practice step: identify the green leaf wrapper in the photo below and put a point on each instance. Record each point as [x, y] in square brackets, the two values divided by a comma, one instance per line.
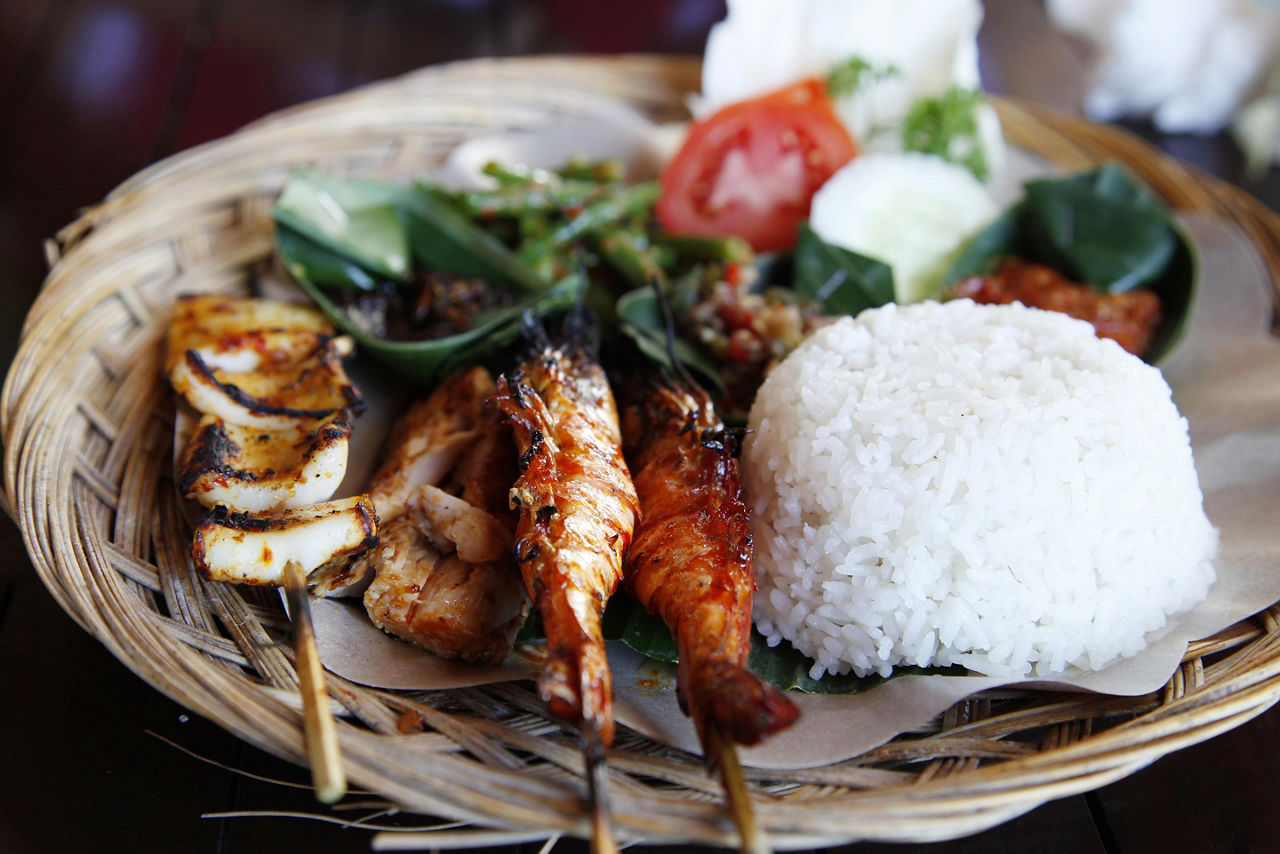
[1102, 228]
[344, 234]
[843, 282]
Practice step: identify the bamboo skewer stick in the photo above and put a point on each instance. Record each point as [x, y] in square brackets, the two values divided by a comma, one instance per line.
[725, 755]
[593, 754]
[327, 774]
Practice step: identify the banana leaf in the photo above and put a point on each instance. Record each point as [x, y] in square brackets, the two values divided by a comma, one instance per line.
[627, 621]
[843, 282]
[422, 361]
[640, 319]
[388, 230]
[354, 219]
[1102, 227]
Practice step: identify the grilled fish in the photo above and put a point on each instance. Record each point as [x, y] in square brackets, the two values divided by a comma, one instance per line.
[444, 578]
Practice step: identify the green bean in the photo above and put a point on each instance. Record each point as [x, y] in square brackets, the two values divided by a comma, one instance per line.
[733, 250]
[514, 174]
[532, 224]
[629, 254]
[600, 171]
[620, 205]
[514, 200]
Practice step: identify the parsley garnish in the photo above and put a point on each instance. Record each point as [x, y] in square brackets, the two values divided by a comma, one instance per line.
[848, 78]
[948, 127]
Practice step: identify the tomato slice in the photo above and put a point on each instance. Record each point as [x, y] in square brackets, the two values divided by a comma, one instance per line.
[752, 168]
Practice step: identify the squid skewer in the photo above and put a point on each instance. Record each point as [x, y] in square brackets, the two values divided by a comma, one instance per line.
[271, 447]
[690, 563]
[577, 510]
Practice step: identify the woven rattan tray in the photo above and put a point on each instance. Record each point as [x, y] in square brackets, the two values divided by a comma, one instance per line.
[87, 424]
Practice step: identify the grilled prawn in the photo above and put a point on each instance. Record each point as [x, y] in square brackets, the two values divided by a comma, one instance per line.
[690, 561]
[577, 510]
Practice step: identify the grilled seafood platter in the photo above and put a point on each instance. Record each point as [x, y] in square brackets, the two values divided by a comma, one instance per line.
[589, 469]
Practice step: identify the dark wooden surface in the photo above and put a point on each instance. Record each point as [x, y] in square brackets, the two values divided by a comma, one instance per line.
[93, 758]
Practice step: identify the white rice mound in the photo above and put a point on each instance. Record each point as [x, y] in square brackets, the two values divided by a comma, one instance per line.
[989, 486]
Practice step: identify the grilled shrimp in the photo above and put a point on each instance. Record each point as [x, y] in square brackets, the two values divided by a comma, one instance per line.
[577, 511]
[690, 562]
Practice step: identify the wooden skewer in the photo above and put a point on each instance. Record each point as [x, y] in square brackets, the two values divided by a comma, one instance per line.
[751, 839]
[593, 754]
[327, 775]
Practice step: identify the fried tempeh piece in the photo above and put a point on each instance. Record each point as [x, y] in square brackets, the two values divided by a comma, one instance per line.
[577, 511]
[690, 562]
[444, 576]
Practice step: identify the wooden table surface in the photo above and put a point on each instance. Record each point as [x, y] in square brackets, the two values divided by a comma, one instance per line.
[91, 91]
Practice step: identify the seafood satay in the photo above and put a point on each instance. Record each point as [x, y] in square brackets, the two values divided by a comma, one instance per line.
[690, 561]
[577, 510]
[444, 576]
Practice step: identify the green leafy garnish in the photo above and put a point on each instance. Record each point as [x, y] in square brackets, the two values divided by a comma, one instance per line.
[420, 361]
[842, 281]
[640, 319]
[948, 127]
[850, 76]
[1103, 228]
[336, 234]
[626, 620]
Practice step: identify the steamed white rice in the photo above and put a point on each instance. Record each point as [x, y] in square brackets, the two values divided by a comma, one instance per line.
[989, 486]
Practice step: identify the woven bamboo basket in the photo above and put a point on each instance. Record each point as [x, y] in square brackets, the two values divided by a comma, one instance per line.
[87, 428]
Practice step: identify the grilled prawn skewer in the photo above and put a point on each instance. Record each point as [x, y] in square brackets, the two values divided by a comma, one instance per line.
[577, 510]
[690, 563]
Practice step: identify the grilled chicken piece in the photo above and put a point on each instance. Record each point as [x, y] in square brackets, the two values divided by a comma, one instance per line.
[255, 471]
[248, 548]
[444, 578]
[690, 562]
[577, 510]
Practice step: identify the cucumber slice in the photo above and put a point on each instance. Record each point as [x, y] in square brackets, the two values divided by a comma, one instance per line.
[912, 211]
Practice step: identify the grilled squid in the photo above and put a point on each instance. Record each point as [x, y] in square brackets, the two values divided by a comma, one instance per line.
[271, 446]
[270, 376]
[252, 548]
[255, 470]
